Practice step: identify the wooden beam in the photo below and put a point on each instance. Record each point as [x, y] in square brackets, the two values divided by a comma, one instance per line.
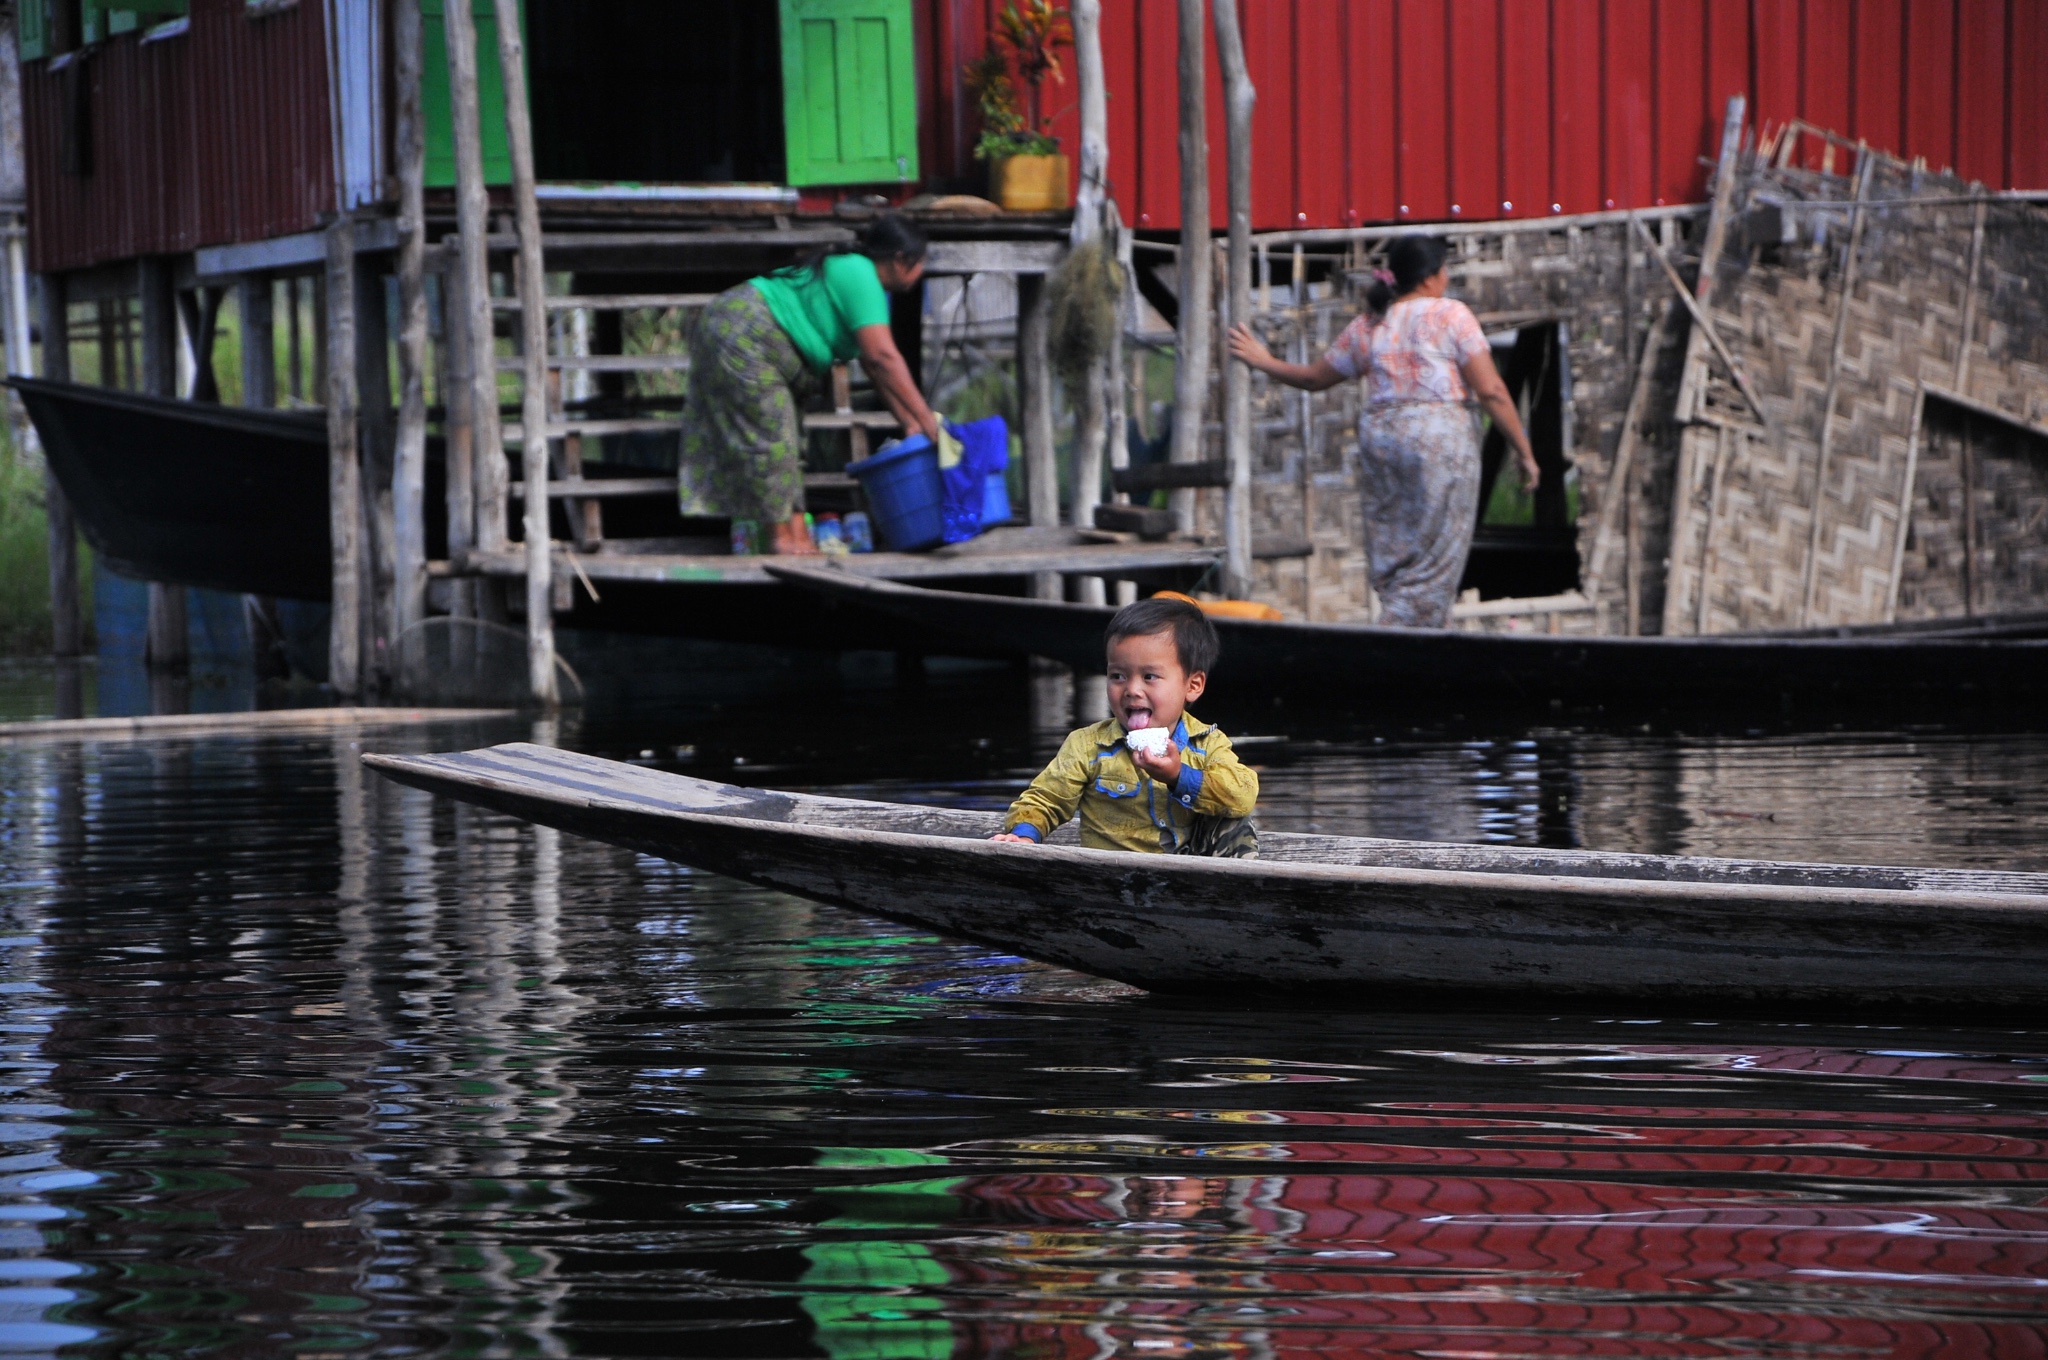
[533, 329]
[1240, 98]
[409, 463]
[1191, 357]
[1171, 476]
[66, 623]
[344, 467]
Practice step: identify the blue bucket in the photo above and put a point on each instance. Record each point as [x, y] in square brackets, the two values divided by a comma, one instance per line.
[905, 493]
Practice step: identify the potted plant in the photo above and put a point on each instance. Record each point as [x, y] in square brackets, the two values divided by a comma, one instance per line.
[1027, 173]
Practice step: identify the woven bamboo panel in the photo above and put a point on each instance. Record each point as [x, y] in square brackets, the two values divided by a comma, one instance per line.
[1984, 480]
[1745, 552]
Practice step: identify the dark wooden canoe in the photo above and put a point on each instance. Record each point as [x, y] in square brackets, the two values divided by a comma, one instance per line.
[1354, 921]
[191, 493]
[1923, 668]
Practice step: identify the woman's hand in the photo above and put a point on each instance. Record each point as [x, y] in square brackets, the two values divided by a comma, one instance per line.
[1249, 350]
[883, 363]
[1485, 381]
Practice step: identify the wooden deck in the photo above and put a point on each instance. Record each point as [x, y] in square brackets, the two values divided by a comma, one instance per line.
[1000, 552]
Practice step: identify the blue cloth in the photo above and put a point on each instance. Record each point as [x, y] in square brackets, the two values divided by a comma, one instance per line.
[984, 451]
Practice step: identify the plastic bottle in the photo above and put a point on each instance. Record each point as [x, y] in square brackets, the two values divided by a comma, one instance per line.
[858, 533]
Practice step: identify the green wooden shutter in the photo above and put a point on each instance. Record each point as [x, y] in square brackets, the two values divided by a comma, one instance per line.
[490, 93]
[30, 29]
[849, 91]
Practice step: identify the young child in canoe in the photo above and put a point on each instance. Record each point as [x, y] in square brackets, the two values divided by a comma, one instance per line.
[1182, 791]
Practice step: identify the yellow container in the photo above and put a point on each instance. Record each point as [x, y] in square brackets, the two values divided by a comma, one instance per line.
[1030, 183]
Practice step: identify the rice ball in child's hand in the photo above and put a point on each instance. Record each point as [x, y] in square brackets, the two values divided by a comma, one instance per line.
[1153, 741]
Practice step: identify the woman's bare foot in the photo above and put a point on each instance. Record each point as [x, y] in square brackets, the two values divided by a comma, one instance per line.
[793, 538]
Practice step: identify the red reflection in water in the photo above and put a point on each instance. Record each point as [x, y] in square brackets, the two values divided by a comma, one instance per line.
[1430, 1266]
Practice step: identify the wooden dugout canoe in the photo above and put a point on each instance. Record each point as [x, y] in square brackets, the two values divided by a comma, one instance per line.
[1352, 921]
[1922, 668]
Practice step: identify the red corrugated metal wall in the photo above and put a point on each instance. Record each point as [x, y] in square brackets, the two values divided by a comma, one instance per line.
[1391, 110]
[215, 135]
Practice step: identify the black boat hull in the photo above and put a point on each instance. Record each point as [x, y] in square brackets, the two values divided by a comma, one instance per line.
[191, 494]
[1346, 667]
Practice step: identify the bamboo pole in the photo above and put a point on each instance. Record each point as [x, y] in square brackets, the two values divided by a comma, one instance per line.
[409, 464]
[1191, 360]
[1239, 99]
[472, 225]
[344, 465]
[533, 319]
[66, 623]
[1692, 375]
[1827, 416]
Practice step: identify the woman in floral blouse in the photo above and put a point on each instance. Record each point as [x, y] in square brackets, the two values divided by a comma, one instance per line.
[1428, 373]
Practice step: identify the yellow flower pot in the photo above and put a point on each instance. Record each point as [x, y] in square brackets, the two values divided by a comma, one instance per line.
[1030, 183]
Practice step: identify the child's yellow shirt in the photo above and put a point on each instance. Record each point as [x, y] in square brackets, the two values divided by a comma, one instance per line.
[1123, 808]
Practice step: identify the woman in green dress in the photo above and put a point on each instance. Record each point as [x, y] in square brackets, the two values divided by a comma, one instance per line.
[759, 349]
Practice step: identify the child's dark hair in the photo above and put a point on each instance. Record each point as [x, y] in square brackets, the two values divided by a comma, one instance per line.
[1194, 637]
[1412, 261]
[890, 236]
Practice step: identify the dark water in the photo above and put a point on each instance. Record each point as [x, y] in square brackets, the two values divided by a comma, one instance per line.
[301, 1063]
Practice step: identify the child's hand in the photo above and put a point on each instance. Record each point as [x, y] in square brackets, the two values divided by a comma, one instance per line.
[1164, 767]
[1008, 839]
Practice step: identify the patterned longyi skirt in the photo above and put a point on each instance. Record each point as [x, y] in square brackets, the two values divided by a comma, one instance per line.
[1419, 475]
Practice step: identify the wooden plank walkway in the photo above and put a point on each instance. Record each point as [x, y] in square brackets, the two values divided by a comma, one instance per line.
[260, 721]
[1078, 559]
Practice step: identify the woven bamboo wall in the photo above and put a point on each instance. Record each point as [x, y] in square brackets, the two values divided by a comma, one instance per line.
[1746, 553]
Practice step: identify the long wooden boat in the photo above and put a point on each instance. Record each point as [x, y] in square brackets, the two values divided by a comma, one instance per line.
[1354, 921]
[1921, 667]
[191, 493]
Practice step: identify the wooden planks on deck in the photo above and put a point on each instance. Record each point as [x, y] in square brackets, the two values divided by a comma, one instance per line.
[1081, 559]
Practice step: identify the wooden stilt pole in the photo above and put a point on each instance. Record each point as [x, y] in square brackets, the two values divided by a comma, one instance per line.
[1239, 99]
[1089, 201]
[1034, 403]
[167, 646]
[66, 624]
[1090, 207]
[459, 430]
[344, 464]
[1191, 359]
[472, 223]
[533, 315]
[255, 299]
[409, 467]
